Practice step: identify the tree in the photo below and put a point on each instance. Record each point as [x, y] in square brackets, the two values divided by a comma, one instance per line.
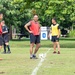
[19, 12]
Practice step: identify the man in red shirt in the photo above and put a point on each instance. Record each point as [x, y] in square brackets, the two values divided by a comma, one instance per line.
[33, 27]
[1, 39]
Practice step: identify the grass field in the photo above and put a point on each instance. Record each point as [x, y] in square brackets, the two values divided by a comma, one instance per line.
[18, 62]
[64, 42]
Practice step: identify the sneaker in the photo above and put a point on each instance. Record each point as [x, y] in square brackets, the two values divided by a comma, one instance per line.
[54, 52]
[58, 52]
[8, 52]
[3, 52]
[31, 57]
[34, 57]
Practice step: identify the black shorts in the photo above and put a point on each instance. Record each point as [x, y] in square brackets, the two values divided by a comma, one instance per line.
[34, 38]
[6, 38]
[1, 40]
[55, 39]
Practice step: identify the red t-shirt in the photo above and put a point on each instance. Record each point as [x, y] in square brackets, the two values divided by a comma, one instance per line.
[0, 29]
[34, 27]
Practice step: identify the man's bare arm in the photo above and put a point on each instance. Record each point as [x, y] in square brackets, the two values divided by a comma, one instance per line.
[26, 27]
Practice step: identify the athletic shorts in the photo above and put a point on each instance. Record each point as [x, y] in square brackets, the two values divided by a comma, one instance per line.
[1, 40]
[34, 38]
[5, 38]
[55, 39]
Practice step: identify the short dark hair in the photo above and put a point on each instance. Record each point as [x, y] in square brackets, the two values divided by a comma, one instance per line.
[1, 13]
[35, 14]
[54, 18]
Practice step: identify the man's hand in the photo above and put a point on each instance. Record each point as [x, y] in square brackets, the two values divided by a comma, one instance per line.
[30, 32]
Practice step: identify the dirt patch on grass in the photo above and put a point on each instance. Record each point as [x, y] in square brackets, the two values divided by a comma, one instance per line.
[2, 72]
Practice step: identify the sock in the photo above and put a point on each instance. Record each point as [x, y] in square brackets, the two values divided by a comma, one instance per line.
[31, 55]
[34, 54]
[4, 48]
[8, 47]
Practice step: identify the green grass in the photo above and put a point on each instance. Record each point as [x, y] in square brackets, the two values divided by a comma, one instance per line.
[64, 43]
[59, 64]
[18, 62]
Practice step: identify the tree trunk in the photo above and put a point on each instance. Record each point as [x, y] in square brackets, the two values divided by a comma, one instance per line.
[10, 32]
[72, 28]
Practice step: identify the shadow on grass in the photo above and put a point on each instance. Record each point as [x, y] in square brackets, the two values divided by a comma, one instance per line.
[62, 38]
[64, 43]
[68, 39]
[20, 39]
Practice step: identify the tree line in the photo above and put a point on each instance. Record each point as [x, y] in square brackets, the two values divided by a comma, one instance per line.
[18, 12]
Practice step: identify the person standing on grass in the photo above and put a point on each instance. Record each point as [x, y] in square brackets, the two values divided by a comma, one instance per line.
[55, 31]
[33, 27]
[5, 36]
[1, 39]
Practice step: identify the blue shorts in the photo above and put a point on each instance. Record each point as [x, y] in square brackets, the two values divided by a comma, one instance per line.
[55, 39]
[34, 38]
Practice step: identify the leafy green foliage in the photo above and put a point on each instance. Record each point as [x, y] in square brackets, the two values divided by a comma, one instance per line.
[72, 33]
[19, 12]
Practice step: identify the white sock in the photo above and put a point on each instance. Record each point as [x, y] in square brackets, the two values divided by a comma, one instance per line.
[34, 54]
[31, 55]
